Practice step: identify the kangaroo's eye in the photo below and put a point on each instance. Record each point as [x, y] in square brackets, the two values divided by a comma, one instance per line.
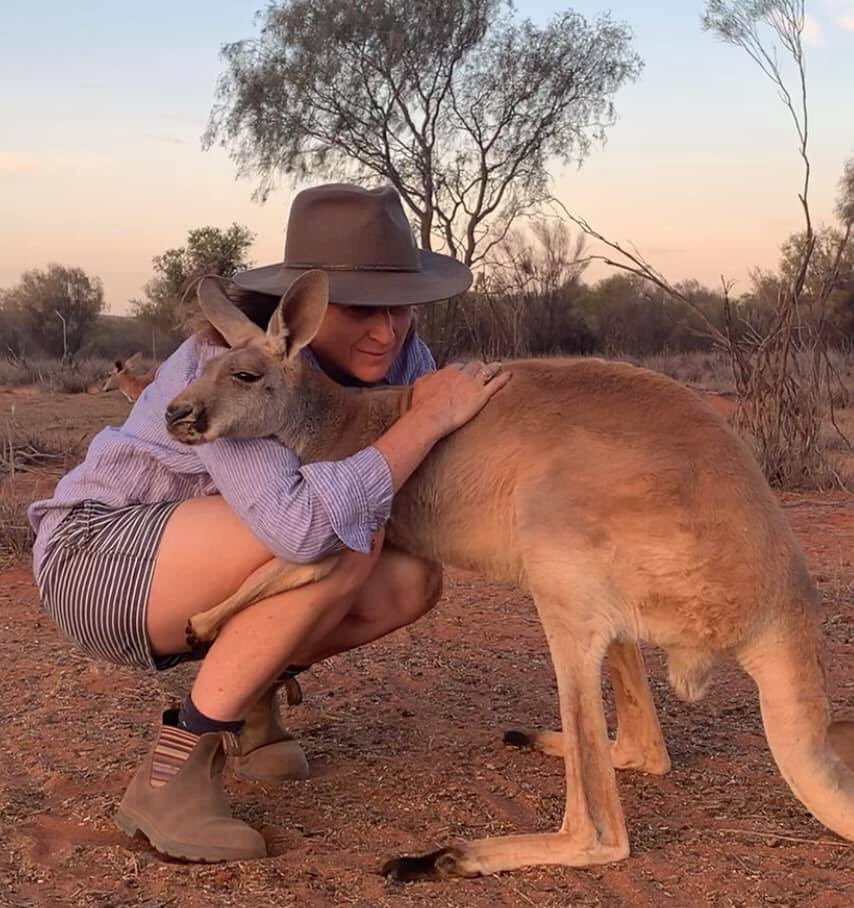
[247, 377]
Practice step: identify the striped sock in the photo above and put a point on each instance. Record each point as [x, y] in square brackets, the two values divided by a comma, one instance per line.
[173, 747]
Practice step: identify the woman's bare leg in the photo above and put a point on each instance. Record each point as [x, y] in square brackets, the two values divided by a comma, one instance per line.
[254, 645]
[302, 625]
[400, 590]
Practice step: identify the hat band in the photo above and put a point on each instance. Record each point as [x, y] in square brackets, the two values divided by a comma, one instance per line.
[326, 267]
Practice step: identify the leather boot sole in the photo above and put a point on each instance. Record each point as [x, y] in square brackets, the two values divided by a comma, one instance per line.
[131, 824]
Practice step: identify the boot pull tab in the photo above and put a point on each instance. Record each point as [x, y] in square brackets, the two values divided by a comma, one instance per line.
[293, 691]
[230, 743]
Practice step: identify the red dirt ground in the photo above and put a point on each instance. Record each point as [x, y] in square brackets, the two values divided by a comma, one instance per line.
[404, 738]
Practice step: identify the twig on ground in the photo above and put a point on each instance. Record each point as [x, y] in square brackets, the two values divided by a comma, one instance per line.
[789, 838]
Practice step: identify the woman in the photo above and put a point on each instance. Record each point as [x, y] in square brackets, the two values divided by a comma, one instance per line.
[147, 532]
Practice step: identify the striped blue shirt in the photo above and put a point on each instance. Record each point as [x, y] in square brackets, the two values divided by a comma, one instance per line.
[300, 512]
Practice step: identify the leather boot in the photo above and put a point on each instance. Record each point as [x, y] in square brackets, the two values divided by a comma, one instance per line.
[266, 751]
[180, 806]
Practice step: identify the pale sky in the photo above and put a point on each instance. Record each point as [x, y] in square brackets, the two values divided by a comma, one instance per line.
[103, 104]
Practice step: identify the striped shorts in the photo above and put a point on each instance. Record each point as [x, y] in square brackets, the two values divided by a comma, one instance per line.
[96, 575]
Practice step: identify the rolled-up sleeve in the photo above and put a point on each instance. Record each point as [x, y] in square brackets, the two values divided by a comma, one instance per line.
[301, 513]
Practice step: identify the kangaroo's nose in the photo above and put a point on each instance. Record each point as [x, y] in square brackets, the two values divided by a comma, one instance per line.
[177, 412]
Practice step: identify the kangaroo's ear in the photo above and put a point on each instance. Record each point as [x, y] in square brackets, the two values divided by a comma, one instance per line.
[300, 311]
[236, 327]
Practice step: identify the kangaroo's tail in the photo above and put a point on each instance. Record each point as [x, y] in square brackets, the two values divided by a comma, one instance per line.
[815, 756]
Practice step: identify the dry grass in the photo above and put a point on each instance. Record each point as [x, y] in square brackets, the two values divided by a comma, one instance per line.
[16, 535]
[713, 372]
[53, 375]
[840, 447]
[709, 371]
[24, 451]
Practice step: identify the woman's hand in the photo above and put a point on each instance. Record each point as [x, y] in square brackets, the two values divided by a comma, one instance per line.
[441, 402]
[449, 398]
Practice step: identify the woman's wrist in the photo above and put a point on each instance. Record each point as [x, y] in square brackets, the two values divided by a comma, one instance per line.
[426, 424]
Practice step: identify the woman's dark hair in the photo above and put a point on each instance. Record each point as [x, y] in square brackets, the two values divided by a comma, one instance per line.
[259, 307]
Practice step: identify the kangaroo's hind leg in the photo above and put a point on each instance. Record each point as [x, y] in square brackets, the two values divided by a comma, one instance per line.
[593, 829]
[639, 743]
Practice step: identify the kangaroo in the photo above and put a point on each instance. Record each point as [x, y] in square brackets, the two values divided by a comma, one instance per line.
[620, 501]
[129, 384]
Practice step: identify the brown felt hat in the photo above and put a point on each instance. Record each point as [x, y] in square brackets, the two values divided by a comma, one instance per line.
[362, 240]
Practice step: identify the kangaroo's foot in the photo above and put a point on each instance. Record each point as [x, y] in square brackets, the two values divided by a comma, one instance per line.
[487, 856]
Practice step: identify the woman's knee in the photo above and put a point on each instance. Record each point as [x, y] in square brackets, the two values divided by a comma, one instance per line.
[412, 587]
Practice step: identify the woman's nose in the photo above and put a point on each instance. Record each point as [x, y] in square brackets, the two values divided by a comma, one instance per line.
[382, 327]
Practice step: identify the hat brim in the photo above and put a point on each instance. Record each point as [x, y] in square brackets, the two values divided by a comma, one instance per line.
[440, 278]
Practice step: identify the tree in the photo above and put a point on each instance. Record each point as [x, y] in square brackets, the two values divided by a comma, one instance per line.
[533, 291]
[209, 250]
[785, 380]
[453, 102]
[829, 280]
[15, 338]
[526, 303]
[626, 315]
[629, 314]
[57, 307]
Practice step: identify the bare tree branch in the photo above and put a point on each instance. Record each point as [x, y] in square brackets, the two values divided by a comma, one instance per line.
[455, 102]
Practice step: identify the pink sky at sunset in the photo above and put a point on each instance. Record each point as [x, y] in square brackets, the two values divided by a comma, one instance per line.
[103, 110]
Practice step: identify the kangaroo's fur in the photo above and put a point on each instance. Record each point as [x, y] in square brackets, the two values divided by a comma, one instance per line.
[130, 384]
[626, 507]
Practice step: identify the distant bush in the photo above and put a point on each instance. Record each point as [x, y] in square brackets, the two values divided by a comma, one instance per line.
[77, 377]
[56, 308]
[108, 337]
[117, 337]
[15, 371]
[703, 370]
[74, 377]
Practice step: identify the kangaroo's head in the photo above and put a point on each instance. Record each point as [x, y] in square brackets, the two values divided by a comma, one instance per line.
[120, 368]
[111, 382]
[249, 391]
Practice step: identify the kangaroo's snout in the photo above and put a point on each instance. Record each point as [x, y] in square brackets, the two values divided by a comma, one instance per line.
[186, 421]
[176, 412]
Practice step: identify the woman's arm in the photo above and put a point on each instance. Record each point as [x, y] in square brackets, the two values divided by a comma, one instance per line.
[303, 512]
[441, 402]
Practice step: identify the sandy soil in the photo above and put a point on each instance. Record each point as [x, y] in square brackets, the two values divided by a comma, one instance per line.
[404, 739]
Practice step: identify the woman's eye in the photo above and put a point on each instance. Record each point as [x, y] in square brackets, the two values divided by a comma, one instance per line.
[247, 377]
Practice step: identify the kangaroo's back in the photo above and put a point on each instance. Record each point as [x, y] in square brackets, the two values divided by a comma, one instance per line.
[623, 464]
[603, 429]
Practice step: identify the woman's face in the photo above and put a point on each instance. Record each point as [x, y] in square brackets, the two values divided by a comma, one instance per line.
[361, 341]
